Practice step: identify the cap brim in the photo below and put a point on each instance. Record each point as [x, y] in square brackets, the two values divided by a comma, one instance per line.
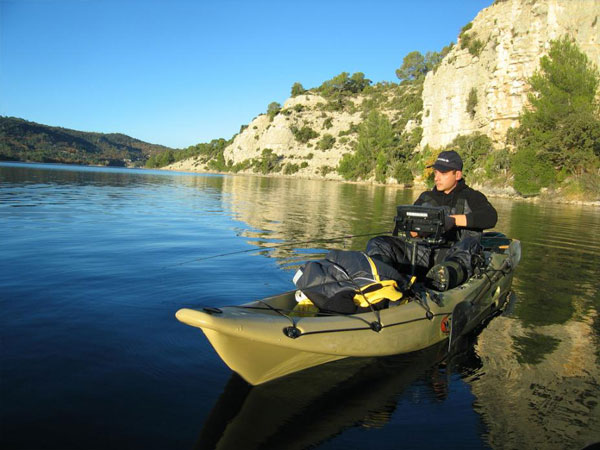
[442, 168]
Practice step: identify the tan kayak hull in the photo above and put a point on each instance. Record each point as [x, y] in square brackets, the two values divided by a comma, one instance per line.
[251, 340]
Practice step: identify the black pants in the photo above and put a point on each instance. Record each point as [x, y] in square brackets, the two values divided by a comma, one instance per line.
[397, 252]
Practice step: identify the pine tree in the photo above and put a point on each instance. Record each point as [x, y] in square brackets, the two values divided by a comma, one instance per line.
[560, 132]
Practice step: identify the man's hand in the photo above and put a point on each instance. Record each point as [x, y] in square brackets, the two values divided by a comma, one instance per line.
[460, 220]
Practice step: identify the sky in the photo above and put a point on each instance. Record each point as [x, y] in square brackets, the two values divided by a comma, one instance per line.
[181, 72]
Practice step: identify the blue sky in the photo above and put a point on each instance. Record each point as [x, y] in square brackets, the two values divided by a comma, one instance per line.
[182, 72]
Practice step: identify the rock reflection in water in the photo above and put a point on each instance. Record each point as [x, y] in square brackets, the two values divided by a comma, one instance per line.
[286, 211]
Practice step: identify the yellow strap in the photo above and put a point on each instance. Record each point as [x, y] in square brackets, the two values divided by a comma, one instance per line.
[389, 290]
[373, 268]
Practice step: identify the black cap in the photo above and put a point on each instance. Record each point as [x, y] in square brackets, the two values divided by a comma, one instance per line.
[446, 161]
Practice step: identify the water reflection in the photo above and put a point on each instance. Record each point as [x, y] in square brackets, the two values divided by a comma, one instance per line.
[534, 373]
[307, 408]
[283, 211]
[538, 383]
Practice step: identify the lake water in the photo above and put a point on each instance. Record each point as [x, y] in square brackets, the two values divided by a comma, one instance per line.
[94, 263]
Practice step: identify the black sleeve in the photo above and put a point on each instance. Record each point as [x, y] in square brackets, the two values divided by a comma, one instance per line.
[483, 215]
[422, 199]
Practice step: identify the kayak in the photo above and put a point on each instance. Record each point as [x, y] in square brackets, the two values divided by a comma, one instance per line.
[269, 338]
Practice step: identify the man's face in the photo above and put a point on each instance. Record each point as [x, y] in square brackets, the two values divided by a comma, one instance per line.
[446, 181]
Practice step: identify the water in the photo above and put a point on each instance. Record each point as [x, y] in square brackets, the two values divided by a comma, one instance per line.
[94, 262]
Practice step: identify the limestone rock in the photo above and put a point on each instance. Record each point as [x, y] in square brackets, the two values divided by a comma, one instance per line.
[514, 35]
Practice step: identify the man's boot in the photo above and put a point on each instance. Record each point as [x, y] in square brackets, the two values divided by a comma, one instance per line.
[446, 275]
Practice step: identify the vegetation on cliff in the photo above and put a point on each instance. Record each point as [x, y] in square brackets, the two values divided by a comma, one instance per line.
[210, 153]
[557, 144]
[558, 141]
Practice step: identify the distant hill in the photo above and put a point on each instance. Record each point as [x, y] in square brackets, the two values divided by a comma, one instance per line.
[21, 140]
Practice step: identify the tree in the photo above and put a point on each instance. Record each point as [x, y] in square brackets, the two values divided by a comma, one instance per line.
[297, 89]
[273, 109]
[376, 142]
[344, 83]
[357, 83]
[473, 148]
[561, 129]
[413, 67]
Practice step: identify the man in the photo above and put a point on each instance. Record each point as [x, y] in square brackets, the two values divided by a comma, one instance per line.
[470, 213]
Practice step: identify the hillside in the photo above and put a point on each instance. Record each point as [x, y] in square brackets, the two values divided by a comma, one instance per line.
[470, 96]
[21, 140]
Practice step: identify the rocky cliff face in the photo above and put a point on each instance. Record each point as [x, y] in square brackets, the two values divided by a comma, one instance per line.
[513, 35]
[297, 112]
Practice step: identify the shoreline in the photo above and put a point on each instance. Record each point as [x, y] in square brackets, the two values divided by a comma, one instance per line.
[488, 191]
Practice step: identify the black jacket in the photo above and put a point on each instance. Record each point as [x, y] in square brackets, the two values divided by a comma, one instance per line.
[463, 200]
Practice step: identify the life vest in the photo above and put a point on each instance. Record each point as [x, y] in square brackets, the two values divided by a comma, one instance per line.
[461, 206]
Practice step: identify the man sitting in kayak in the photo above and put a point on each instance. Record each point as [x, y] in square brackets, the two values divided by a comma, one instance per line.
[470, 213]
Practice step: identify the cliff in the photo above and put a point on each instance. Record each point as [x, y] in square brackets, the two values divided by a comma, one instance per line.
[311, 133]
[514, 34]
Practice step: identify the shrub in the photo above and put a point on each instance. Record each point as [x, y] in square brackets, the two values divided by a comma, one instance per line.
[326, 142]
[351, 130]
[403, 174]
[586, 186]
[273, 109]
[470, 41]
[424, 158]
[473, 150]
[297, 89]
[324, 170]
[290, 168]
[531, 173]
[328, 123]
[466, 28]
[303, 165]
[242, 165]
[497, 163]
[268, 162]
[304, 134]
[472, 102]
[475, 47]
